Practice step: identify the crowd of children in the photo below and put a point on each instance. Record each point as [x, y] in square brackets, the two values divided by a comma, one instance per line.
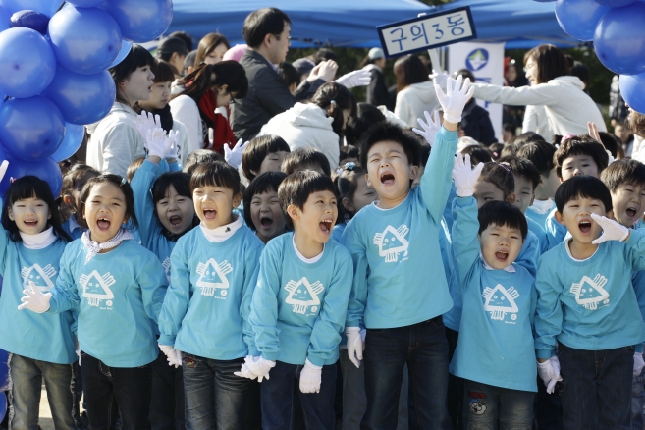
[190, 301]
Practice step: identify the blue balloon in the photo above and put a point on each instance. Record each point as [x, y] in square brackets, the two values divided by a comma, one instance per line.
[83, 99]
[616, 3]
[126, 47]
[31, 128]
[30, 19]
[46, 7]
[4, 367]
[632, 89]
[46, 169]
[27, 62]
[71, 142]
[5, 19]
[140, 20]
[620, 39]
[86, 3]
[578, 18]
[84, 40]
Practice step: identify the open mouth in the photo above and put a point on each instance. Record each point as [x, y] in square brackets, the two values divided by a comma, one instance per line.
[501, 256]
[266, 223]
[584, 226]
[631, 212]
[210, 214]
[175, 220]
[325, 226]
[387, 179]
[103, 223]
[31, 223]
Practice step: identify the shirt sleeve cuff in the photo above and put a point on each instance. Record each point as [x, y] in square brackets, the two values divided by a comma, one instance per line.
[273, 356]
[253, 351]
[316, 361]
[167, 340]
[545, 353]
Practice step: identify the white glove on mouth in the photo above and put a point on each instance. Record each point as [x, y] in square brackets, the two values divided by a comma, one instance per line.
[355, 345]
[611, 230]
[431, 128]
[464, 176]
[549, 372]
[357, 78]
[454, 100]
[234, 156]
[35, 300]
[310, 378]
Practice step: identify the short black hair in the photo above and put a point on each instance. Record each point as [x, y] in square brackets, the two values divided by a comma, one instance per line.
[478, 154]
[215, 174]
[185, 37]
[583, 186]
[386, 131]
[171, 45]
[179, 180]
[523, 168]
[288, 73]
[297, 187]
[163, 72]
[502, 214]
[540, 154]
[499, 175]
[256, 151]
[300, 158]
[496, 150]
[348, 151]
[118, 182]
[268, 181]
[200, 156]
[581, 145]
[138, 57]
[612, 143]
[623, 172]
[261, 22]
[580, 71]
[367, 115]
[325, 54]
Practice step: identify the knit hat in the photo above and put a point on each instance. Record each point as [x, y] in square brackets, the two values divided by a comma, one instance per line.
[235, 53]
[303, 66]
[375, 54]
[172, 45]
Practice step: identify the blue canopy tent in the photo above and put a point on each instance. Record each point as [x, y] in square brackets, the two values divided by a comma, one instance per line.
[346, 23]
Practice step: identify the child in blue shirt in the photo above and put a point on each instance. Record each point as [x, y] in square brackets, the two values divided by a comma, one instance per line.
[204, 320]
[117, 287]
[263, 154]
[400, 290]
[299, 308]
[262, 211]
[499, 303]
[69, 200]
[541, 153]
[42, 346]
[353, 195]
[587, 309]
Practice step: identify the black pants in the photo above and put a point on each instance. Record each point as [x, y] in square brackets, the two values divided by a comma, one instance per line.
[167, 401]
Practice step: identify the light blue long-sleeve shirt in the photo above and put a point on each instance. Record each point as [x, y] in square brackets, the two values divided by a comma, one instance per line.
[299, 308]
[555, 231]
[117, 293]
[206, 308]
[539, 232]
[589, 304]
[399, 278]
[47, 337]
[500, 305]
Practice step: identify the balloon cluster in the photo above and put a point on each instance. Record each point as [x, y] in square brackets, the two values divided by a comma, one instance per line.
[617, 29]
[53, 74]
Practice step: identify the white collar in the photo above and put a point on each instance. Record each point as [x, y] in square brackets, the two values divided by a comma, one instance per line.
[311, 260]
[40, 240]
[542, 206]
[222, 233]
[566, 246]
[509, 268]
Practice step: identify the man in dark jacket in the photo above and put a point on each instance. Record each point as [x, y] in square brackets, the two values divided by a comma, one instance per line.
[267, 33]
[475, 121]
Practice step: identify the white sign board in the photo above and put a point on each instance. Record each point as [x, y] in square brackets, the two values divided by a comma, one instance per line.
[426, 32]
[486, 62]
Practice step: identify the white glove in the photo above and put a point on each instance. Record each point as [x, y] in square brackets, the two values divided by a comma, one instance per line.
[310, 378]
[357, 78]
[245, 371]
[3, 168]
[355, 345]
[172, 150]
[430, 129]
[260, 367]
[34, 300]
[454, 100]
[440, 78]
[171, 355]
[550, 373]
[234, 156]
[78, 353]
[156, 142]
[146, 121]
[638, 363]
[464, 176]
[611, 230]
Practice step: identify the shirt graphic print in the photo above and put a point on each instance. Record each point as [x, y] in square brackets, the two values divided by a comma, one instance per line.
[500, 301]
[304, 296]
[96, 288]
[392, 242]
[590, 293]
[213, 278]
[41, 277]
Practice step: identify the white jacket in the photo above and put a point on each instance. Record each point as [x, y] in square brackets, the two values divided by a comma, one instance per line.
[568, 108]
[185, 110]
[306, 125]
[114, 141]
[415, 99]
[535, 120]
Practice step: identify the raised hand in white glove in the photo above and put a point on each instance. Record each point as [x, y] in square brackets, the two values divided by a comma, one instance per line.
[172, 150]
[355, 345]
[171, 355]
[454, 100]
[3, 168]
[430, 129]
[156, 142]
[327, 70]
[310, 378]
[611, 230]
[34, 300]
[638, 364]
[357, 78]
[440, 78]
[146, 121]
[234, 156]
[549, 372]
[260, 367]
[464, 176]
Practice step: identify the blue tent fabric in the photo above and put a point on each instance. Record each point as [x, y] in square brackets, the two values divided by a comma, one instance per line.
[352, 23]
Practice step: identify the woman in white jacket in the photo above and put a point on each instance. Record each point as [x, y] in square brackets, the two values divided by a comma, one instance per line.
[568, 108]
[416, 93]
[318, 123]
[114, 142]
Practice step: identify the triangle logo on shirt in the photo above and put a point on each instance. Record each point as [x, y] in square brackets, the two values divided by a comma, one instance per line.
[213, 277]
[392, 242]
[589, 293]
[302, 295]
[500, 301]
[41, 277]
[96, 287]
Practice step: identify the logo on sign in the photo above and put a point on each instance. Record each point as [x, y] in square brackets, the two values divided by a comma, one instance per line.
[477, 59]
